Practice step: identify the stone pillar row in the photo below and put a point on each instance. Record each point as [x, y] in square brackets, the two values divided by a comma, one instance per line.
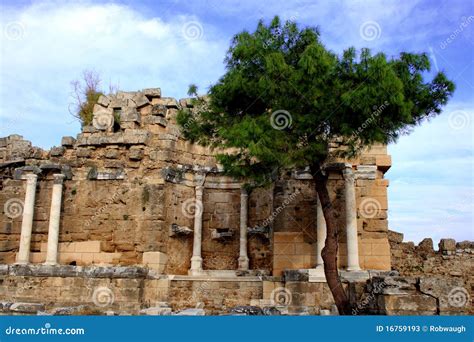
[23, 256]
[196, 259]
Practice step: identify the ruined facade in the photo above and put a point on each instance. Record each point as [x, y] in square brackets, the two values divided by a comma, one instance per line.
[131, 206]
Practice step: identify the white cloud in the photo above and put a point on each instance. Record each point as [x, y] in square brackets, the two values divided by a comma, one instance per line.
[431, 191]
[59, 40]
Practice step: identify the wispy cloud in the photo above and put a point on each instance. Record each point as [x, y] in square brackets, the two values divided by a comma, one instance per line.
[54, 42]
[432, 191]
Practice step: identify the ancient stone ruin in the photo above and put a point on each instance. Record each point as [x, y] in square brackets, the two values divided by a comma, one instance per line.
[130, 218]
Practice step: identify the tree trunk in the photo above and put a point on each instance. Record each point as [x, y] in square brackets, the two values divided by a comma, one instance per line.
[329, 252]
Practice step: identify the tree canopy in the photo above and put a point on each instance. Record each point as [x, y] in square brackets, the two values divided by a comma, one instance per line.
[285, 97]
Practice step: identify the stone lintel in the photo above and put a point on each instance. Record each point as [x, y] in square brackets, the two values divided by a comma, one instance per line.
[336, 166]
[40, 270]
[21, 172]
[93, 174]
[216, 276]
[14, 162]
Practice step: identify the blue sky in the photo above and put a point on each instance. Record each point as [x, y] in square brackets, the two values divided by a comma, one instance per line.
[169, 44]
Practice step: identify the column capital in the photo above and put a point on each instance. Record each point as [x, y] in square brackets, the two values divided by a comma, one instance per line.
[58, 178]
[31, 178]
[348, 174]
[243, 192]
[199, 179]
[199, 190]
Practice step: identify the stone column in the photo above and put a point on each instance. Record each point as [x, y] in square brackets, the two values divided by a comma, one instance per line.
[351, 220]
[196, 260]
[23, 256]
[320, 235]
[54, 218]
[317, 274]
[243, 258]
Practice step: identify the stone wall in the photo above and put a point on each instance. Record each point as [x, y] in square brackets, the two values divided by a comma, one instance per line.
[216, 295]
[423, 295]
[450, 266]
[130, 177]
[295, 228]
[80, 290]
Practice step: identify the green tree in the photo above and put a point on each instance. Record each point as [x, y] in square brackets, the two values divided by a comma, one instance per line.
[285, 97]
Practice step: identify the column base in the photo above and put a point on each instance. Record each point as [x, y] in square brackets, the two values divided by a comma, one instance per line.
[353, 268]
[196, 265]
[196, 272]
[21, 262]
[50, 263]
[243, 263]
[316, 275]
